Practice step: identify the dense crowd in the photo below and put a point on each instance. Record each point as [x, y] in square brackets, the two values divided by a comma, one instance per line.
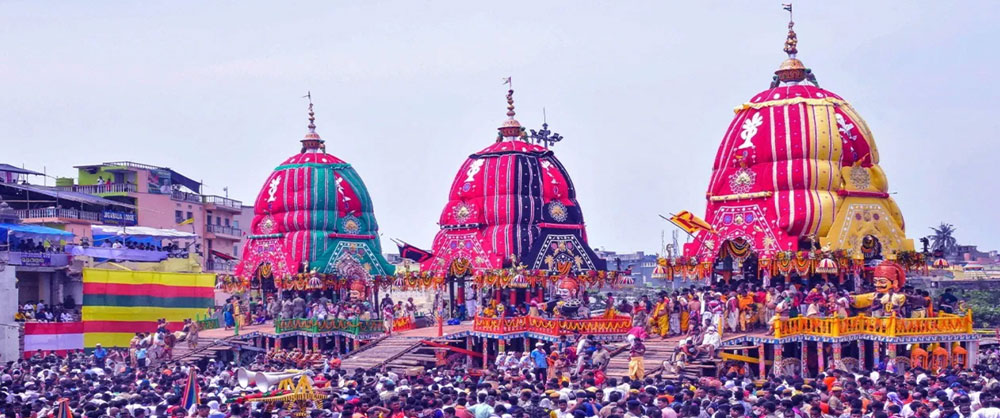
[106, 384]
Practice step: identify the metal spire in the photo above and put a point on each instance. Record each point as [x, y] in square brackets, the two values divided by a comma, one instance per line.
[312, 141]
[510, 128]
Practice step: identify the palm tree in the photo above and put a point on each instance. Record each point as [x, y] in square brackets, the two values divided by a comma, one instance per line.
[943, 240]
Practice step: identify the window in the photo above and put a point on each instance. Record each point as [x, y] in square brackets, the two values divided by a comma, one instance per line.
[236, 223]
[190, 216]
[208, 219]
[218, 221]
[236, 250]
[227, 221]
[178, 216]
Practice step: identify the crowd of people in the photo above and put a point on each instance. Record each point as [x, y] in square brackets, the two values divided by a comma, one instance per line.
[739, 307]
[310, 305]
[41, 312]
[42, 245]
[108, 384]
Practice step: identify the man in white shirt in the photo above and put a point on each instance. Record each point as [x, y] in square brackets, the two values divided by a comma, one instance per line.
[501, 362]
[989, 410]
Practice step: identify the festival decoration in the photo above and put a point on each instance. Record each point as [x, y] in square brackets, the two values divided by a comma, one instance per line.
[314, 211]
[946, 326]
[232, 284]
[512, 207]
[798, 162]
[941, 263]
[302, 395]
[889, 277]
[553, 327]
[330, 326]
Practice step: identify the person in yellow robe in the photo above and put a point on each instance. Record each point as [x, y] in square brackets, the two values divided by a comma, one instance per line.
[636, 367]
[747, 311]
[661, 317]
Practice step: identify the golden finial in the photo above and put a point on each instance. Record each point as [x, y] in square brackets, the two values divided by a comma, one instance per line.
[791, 41]
[791, 70]
[312, 141]
[510, 127]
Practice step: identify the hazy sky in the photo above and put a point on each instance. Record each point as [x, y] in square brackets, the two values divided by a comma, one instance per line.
[405, 91]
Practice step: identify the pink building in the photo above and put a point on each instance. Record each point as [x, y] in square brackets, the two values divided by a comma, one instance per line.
[166, 199]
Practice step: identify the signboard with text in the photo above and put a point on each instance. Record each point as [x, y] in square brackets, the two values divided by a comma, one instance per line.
[111, 217]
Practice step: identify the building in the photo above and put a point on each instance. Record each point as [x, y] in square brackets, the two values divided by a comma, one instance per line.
[640, 263]
[166, 199]
[37, 223]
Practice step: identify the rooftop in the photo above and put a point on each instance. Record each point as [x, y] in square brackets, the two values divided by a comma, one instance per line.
[175, 177]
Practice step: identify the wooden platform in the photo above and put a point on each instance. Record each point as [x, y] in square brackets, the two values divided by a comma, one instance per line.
[659, 350]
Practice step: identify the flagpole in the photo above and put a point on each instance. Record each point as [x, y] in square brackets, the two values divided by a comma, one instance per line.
[675, 225]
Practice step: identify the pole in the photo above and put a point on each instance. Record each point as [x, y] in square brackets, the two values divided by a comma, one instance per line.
[486, 354]
[861, 354]
[821, 361]
[777, 349]
[762, 367]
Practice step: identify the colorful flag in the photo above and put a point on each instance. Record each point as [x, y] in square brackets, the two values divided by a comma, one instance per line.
[187, 221]
[413, 253]
[191, 391]
[687, 221]
[63, 410]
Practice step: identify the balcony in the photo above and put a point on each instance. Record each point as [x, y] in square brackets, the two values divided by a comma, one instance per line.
[58, 213]
[185, 196]
[16, 258]
[100, 189]
[212, 202]
[224, 230]
[220, 266]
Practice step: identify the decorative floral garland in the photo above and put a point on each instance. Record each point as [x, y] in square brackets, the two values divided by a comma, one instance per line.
[231, 284]
[510, 278]
[553, 327]
[329, 325]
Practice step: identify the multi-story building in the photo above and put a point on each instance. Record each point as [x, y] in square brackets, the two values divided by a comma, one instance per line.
[164, 198]
[38, 222]
[642, 264]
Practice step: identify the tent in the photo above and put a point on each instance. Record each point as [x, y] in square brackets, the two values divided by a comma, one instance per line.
[32, 231]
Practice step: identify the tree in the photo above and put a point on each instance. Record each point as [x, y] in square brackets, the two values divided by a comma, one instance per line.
[943, 240]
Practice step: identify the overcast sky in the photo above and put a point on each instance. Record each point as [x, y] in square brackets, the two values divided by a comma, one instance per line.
[405, 91]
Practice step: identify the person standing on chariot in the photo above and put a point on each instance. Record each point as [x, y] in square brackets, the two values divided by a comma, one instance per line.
[660, 320]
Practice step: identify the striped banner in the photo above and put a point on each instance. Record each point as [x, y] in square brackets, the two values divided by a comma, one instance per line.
[117, 304]
[58, 337]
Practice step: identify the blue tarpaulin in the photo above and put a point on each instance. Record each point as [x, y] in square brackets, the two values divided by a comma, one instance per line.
[18, 229]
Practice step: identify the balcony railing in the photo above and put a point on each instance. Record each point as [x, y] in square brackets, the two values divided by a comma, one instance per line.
[185, 196]
[878, 326]
[220, 265]
[130, 164]
[103, 188]
[223, 201]
[224, 230]
[16, 258]
[58, 213]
